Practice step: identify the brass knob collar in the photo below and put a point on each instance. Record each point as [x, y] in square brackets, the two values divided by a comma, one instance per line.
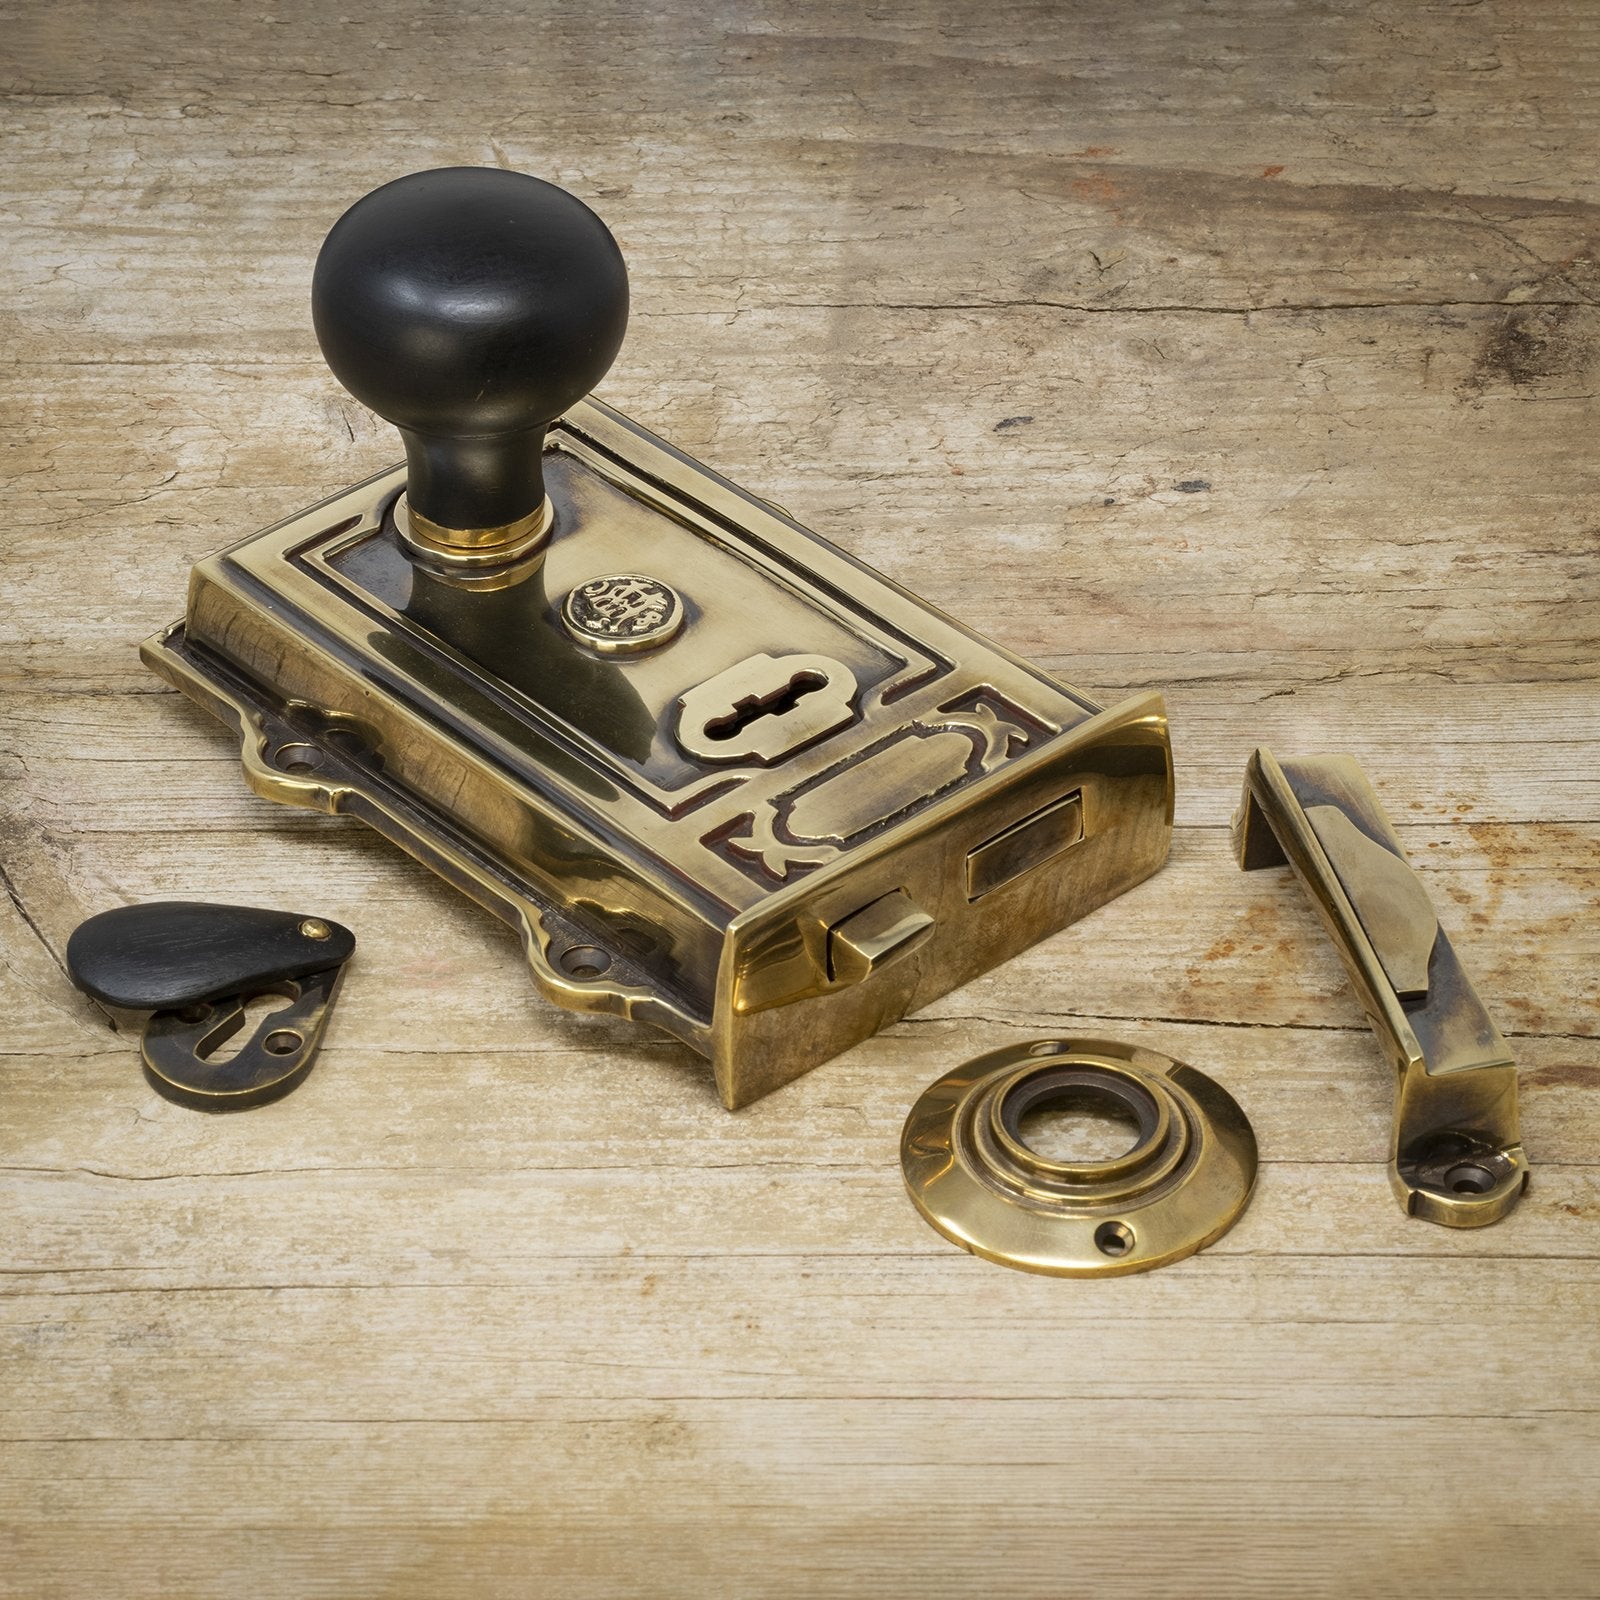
[473, 547]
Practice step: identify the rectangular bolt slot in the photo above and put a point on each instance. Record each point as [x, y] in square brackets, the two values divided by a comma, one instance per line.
[1025, 845]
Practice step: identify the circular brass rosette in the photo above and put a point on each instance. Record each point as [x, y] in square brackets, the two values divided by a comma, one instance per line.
[1184, 1182]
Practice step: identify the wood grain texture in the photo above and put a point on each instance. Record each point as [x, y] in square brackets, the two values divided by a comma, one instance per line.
[1241, 349]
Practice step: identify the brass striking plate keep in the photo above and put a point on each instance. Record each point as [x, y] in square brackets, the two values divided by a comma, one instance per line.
[1456, 1156]
[720, 776]
[1183, 1183]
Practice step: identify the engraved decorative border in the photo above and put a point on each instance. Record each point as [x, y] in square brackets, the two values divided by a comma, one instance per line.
[769, 846]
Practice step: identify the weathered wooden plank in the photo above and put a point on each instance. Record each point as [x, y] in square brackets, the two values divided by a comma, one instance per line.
[1198, 943]
[674, 1497]
[1174, 508]
[454, 1224]
[1074, 153]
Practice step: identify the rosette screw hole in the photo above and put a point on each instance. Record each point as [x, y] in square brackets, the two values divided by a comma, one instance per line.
[1113, 1238]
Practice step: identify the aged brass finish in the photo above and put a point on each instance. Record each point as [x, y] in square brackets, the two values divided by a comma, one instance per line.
[194, 968]
[766, 707]
[177, 1046]
[623, 613]
[1184, 1182]
[587, 798]
[472, 547]
[722, 777]
[1024, 846]
[882, 932]
[1456, 1157]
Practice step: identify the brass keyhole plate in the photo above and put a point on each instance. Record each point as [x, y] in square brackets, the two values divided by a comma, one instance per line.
[1183, 1183]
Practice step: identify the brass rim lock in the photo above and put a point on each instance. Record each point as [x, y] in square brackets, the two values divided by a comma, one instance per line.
[196, 968]
[720, 777]
[1183, 1183]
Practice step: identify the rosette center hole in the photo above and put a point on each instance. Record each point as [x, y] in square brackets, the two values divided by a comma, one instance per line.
[1080, 1122]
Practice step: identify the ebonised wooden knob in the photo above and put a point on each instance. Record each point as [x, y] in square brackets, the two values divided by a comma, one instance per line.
[470, 306]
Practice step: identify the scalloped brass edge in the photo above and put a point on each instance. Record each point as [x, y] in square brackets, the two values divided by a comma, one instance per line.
[424, 836]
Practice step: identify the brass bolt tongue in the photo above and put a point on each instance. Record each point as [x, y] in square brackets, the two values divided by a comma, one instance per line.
[1184, 1181]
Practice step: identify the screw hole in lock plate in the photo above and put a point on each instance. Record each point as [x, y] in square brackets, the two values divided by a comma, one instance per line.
[1458, 1167]
[297, 759]
[283, 1042]
[584, 961]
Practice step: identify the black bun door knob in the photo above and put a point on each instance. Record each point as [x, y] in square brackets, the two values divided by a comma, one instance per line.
[470, 306]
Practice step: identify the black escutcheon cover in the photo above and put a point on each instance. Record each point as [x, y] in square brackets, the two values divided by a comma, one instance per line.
[176, 952]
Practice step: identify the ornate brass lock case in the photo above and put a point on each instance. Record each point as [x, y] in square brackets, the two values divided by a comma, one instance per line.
[770, 804]
[722, 778]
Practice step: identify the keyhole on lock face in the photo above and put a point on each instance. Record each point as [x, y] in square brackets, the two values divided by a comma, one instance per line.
[778, 703]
